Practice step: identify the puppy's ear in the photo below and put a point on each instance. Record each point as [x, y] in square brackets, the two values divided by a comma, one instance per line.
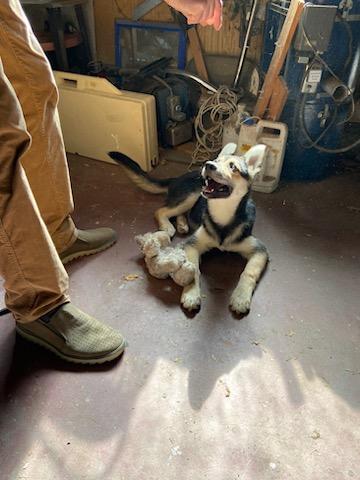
[229, 149]
[254, 159]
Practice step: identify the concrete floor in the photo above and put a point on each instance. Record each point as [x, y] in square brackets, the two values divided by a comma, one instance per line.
[274, 395]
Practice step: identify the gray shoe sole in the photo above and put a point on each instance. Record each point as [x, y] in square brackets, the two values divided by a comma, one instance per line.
[73, 359]
[86, 253]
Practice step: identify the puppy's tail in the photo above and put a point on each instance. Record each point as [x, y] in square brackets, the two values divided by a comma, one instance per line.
[138, 176]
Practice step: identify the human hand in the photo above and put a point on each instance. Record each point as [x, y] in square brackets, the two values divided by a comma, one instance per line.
[204, 12]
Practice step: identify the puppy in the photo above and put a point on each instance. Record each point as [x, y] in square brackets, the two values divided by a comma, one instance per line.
[216, 205]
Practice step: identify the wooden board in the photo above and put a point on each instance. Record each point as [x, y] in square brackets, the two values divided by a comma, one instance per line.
[282, 47]
[277, 100]
[196, 50]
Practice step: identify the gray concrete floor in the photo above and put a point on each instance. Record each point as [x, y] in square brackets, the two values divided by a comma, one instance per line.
[274, 395]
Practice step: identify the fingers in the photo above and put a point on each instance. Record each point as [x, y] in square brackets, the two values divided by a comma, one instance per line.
[191, 20]
[217, 18]
[203, 12]
[212, 16]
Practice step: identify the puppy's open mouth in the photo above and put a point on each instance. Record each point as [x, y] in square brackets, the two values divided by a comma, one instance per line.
[214, 189]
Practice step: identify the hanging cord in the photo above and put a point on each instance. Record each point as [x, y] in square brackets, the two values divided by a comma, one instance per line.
[163, 82]
[314, 143]
[350, 37]
[299, 120]
[209, 123]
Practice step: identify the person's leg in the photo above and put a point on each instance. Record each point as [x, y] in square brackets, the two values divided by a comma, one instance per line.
[45, 163]
[35, 279]
[36, 283]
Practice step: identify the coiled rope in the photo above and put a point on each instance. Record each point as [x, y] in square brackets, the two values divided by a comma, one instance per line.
[209, 123]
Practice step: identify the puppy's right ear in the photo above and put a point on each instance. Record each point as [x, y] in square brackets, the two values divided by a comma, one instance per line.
[229, 149]
[254, 159]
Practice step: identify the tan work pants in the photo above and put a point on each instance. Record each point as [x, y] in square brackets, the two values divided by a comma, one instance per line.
[35, 192]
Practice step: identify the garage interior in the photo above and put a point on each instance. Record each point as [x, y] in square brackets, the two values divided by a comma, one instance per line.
[205, 394]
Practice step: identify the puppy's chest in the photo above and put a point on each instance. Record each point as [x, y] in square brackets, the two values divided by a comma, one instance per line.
[224, 237]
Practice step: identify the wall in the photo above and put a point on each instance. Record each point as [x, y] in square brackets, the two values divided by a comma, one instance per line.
[225, 42]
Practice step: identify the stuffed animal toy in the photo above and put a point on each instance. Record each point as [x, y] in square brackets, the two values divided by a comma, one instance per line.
[162, 260]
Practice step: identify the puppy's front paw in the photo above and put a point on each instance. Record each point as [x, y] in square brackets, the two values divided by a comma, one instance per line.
[183, 229]
[170, 230]
[191, 298]
[182, 226]
[240, 303]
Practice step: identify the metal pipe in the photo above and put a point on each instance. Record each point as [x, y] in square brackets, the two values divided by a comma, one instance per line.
[354, 77]
[336, 89]
[245, 46]
[200, 81]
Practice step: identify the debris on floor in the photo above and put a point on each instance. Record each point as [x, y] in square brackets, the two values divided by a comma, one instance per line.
[131, 277]
[315, 435]
[227, 389]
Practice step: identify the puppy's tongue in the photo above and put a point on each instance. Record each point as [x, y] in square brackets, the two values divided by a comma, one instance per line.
[210, 186]
[213, 186]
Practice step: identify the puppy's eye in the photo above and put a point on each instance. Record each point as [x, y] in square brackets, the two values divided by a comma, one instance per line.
[233, 167]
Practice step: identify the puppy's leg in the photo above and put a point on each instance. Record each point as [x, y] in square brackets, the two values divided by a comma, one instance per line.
[182, 225]
[164, 214]
[198, 244]
[256, 254]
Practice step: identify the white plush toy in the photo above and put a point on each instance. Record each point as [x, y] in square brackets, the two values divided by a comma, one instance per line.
[162, 260]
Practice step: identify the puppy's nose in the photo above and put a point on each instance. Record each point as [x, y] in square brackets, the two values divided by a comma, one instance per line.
[210, 166]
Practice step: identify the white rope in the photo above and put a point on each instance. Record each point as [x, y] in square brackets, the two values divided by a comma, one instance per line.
[209, 123]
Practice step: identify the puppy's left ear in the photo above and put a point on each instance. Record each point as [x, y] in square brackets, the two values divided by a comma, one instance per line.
[254, 159]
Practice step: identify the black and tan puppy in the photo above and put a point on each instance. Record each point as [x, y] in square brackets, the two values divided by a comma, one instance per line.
[216, 205]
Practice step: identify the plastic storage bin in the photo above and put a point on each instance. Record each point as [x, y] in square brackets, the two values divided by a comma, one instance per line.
[274, 135]
[96, 118]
